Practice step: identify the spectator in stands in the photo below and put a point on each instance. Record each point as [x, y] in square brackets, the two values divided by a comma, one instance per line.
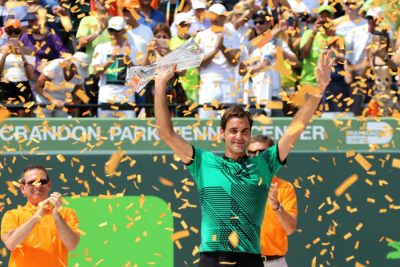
[313, 42]
[138, 34]
[61, 82]
[221, 45]
[382, 72]
[159, 47]
[266, 77]
[149, 16]
[171, 7]
[110, 63]
[336, 95]
[189, 79]
[351, 18]
[92, 31]
[357, 42]
[46, 44]
[239, 17]
[198, 20]
[16, 68]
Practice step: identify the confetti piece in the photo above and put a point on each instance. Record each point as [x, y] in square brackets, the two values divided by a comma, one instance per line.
[112, 164]
[395, 162]
[363, 162]
[180, 234]
[166, 182]
[346, 184]
[4, 114]
[234, 239]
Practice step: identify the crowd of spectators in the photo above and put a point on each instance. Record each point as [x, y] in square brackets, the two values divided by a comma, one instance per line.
[58, 55]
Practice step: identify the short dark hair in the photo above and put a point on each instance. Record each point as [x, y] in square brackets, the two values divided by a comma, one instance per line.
[34, 167]
[264, 139]
[235, 112]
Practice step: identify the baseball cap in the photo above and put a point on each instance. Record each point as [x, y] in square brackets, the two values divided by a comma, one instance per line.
[181, 17]
[218, 9]
[327, 8]
[82, 61]
[14, 23]
[374, 12]
[116, 23]
[197, 4]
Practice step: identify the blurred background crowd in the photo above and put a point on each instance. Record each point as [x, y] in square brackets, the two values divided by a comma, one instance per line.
[72, 58]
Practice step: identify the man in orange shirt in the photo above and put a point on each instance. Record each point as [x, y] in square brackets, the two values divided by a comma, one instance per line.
[41, 233]
[280, 218]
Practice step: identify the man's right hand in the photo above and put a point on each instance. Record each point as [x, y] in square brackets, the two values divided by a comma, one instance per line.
[42, 208]
[166, 73]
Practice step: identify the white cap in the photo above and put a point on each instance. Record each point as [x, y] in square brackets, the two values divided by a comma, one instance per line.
[82, 61]
[198, 4]
[375, 12]
[218, 9]
[181, 17]
[116, 23]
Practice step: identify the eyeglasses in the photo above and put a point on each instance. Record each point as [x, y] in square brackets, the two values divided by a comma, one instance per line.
[38, 182]
[261, 22]
[13, 31]
[255, 152]
[110, 30]
[183, 24]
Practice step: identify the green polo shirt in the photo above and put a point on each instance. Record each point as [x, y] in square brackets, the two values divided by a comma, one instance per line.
[232, 196]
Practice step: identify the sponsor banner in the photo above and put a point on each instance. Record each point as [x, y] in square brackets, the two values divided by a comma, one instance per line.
[35, 136]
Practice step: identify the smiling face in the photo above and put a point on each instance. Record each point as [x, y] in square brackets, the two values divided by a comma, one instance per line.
[36, 186]
[237, 136]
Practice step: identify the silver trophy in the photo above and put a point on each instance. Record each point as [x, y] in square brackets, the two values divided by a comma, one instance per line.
[186, 56]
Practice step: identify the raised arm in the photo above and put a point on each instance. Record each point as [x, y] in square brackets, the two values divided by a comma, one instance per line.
[166, 131]
[68, 237]
[304, 115]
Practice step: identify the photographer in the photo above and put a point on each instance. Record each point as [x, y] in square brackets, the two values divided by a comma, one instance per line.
[16, 69]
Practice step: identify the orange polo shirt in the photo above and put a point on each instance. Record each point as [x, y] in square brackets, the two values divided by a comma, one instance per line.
[43, 246]
[274, 240]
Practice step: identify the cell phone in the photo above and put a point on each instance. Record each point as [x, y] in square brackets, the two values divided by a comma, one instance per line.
[162, 43]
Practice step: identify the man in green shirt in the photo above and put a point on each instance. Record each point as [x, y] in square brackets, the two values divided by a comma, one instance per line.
[233, 188]
[313, 42]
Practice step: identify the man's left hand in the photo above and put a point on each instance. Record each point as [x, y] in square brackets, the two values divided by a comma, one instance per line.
[56, 200]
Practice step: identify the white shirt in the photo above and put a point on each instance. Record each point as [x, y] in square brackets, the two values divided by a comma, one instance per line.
[219, 68]
[356, 42]
[14, 70]
[138, 39]
[109, 89]
[267, 84]
[344, 24]
[58, 87]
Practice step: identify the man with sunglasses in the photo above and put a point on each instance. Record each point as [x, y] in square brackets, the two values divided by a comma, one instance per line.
[41, 233]
[280, 217]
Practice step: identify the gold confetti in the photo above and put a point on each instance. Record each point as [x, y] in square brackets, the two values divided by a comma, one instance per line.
[234, 239]
[346, 185]
[112, 164]
[363, 162]
[180, 234]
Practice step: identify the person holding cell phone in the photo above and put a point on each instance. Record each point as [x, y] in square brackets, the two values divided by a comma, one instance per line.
[42, 232]
[16, 69]
[159, 47]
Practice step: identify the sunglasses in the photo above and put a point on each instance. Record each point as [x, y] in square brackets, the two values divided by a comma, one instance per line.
[13, 31]
[255, 152]
[113, 31]
[261, 22]
[38, 182]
